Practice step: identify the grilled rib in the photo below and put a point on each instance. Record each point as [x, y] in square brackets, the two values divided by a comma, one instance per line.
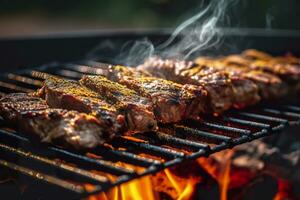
[70, 128]
[70, 95]
[138, 110]
[223, 89]
[172, 102]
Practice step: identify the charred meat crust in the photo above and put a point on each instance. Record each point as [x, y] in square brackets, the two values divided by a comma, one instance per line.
[32, 115]
[285, 67]
[223, 90]
[172, 102]
[138, 110]
[70, 95]
[269, 85]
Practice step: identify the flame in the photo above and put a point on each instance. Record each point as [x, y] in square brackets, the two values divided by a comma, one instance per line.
[284, 190]
[174, 182]
[225, 180]
[181, 182]
[137, 190]
[219, 170]
[183, 186]
[188, 191]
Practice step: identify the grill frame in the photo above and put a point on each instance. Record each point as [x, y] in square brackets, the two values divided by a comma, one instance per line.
[266, 120]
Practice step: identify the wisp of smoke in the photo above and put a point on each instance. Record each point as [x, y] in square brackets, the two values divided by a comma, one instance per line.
[197, 34]
[269, 20]
[135, 52]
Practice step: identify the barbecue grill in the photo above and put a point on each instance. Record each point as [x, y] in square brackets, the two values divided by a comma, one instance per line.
[65, 172]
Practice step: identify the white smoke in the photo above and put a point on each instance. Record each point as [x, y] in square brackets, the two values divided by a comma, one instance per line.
[269, 20]
[197, 34]
[135, 52]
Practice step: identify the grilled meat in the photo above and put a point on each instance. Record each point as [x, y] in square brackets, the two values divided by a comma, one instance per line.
[253, 54]
[32, 115]
[223, 89]
[116, 72]
[269, 85]
[137, 110]
[70, 95]
[172, 102]
[288, 72]
[286, 67]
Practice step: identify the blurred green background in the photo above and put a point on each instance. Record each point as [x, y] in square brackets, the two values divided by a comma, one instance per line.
[28, 17]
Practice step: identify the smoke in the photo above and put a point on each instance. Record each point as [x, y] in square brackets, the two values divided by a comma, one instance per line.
[135, 52]
[197, 34]
[269, 21]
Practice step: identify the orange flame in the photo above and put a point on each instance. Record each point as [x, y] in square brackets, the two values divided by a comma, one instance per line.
[137, 189]
[219, 170]
[184, 188]
[284, 190]
[180, 183]
[225, 180]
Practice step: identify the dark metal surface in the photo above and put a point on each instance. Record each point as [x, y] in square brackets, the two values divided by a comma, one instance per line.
[69, 171]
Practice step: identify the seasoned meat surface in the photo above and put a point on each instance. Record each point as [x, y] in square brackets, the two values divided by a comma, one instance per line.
[270, 86]
[288, 72]
[286, 67]
[172, 102]
[223, 89]
[70, 95]
[32, 115]
[138, 110]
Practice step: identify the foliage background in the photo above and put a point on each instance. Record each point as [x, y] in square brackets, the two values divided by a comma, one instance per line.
[27, 17]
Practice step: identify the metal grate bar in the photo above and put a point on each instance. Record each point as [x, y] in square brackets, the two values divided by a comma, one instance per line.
[86, 175]
[227, 128]
[172, 141]
[286, 113]
[247, 123]
[78, 158]
[24, 79]
[124, 156]
[153, 149]
[264, 117]
[14, 88]
[43, 177]
[190, 132]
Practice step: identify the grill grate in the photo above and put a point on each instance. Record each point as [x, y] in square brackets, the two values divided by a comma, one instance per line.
[148, 153]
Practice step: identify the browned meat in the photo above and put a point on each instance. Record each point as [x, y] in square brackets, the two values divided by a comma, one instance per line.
[137, 110]
[116, 72]
[253, 54]
[70, 95]
[70, 128]
[223, 89]
[171, 102]
[286, 67]
[269, 85]
[288, 72]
